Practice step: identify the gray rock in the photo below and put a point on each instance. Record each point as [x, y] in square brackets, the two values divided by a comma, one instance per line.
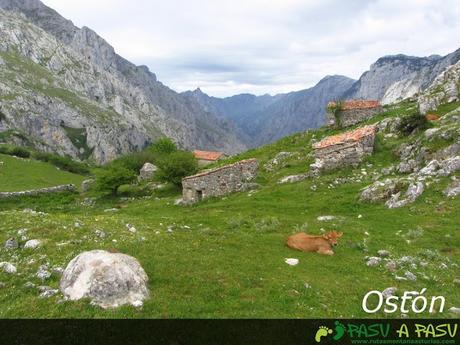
[453, 189]
[430, 132]
[147, 172]
[457, 281]
[454, 310]
[293, 178]
[2, 285]
[388, 292]
[373, 261]
[33, 244]
[326, 218]
[391, 266]
[43, 273]
[108, 279]
[11, 244]
[47, 292]
[383, 253]
[410, 276]
[86, 185]
[100, 233]
[29, 285]
[8, 268]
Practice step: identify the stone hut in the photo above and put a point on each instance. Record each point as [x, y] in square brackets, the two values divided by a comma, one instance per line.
[351, 112]
[208, 157]
[344, 149]
[220, 181]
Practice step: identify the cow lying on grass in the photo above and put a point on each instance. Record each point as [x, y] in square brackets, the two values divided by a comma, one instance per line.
[310, 243]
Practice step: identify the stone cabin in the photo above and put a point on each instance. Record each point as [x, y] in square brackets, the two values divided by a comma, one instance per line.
[220, 181]
[208, 157]
[351, 112]
[344, 149]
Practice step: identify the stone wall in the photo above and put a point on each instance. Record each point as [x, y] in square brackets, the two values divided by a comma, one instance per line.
[50, 190]
[347, 149]
[219, 182]
[352, 117]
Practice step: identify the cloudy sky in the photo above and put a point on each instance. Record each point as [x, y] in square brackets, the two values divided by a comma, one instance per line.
[265, 46]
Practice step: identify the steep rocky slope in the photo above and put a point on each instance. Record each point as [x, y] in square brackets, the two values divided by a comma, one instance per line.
[60, 82]
[264, 119]
[444, 89]
[396, 77]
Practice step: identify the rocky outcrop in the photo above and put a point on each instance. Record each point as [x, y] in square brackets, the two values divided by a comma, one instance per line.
[444, 89]
[67, 89]
[34, 192]
[147, 172]
[397, 77]
[109, 279]
[220, 181]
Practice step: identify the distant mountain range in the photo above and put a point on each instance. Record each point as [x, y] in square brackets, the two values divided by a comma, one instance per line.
[64, 89]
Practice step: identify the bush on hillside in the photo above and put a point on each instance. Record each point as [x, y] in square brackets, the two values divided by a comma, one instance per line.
[413, 123]
[134, 161]
[14, 151]
[163, 146]
[110, 179]
[175, 166]
[62, 162]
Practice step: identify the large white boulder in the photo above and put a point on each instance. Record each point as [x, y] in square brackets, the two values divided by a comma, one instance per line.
[108, 279]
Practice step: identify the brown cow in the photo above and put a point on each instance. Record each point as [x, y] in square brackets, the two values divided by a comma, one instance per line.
[310, 243]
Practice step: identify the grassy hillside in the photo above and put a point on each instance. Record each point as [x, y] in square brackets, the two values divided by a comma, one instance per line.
[224, 258]
[17, 174]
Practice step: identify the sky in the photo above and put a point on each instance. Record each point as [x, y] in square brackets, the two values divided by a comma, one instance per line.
[265, 46]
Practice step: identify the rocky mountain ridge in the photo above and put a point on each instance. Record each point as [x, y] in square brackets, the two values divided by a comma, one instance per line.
[90, 78]
[264, 119]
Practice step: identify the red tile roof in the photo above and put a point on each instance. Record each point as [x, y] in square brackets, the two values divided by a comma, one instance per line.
[357, 104]
[347, 137]
[207, 155]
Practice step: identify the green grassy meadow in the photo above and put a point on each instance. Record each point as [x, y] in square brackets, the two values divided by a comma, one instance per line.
[224, 258]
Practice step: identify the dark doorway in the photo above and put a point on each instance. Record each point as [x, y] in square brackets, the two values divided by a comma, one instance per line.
[199, 195]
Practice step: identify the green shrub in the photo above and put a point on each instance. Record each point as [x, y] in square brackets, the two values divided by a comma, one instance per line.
[134, 161]
[175, 166]
[413, 123]
[163, 146]
[62, 162]
[14, 151]
[131, 190]
[109, 179]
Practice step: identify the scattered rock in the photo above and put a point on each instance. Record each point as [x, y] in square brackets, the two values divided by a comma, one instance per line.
[86, 185]
[278, 161]
[29, 285]
[383, 253]
[33, 244]
[292, 262]
[454, 310]
[453, 189]
[108, 279]
[326, 218]
[373, 261]
[293, 178]
[147, 172]
[43, 272]
[413, 192]
[388, 292]
[8, 267]
[457, 281]
[11, 244]
[111, 210]
[47, 292]
[131, 228]
[410, 276]
[2, 285]
[391, 266]
[100, 234]
[430, 132]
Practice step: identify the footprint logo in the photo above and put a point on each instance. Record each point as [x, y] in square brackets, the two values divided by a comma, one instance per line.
[323, 331]
[339, 330]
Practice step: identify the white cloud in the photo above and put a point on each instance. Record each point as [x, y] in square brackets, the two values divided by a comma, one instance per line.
[265, 46]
